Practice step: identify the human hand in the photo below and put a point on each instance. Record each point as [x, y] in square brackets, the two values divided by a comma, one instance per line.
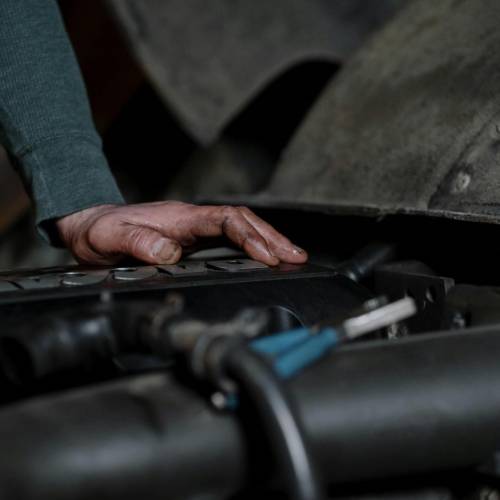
[156, 233]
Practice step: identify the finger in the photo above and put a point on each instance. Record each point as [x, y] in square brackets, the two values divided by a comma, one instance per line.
[150, 246]
[229, 222]
[114, 240]
[279, 245]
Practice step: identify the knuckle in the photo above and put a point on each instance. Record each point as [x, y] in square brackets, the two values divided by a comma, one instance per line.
[229, 215]
[228, 211]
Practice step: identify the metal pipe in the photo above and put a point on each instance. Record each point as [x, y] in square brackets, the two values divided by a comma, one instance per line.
[372, 410]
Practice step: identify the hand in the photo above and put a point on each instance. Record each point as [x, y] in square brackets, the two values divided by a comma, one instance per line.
[157, 232]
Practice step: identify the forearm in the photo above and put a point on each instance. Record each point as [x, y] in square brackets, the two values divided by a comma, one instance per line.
[45, 121]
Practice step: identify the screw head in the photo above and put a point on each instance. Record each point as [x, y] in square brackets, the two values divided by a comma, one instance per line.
[461, 182]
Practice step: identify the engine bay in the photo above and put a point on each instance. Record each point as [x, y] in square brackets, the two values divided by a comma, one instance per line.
[123, 382]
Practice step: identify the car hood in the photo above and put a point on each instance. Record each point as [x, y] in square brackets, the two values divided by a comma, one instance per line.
[410, 125]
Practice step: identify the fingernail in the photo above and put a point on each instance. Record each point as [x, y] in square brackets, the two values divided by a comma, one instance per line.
[297, 250]
[164, 249]
[157, 248]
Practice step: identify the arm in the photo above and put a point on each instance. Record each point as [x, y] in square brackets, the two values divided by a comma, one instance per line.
[45, 120]
[46, 126]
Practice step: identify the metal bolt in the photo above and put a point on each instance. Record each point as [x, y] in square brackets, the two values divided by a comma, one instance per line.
[219, 400]
[462, 181]
[458, 321]
[397, 331]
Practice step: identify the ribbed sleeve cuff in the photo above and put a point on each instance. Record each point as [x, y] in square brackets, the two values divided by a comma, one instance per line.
[66, 174]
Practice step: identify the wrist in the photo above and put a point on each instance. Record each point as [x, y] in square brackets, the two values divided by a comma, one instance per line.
[69, 226]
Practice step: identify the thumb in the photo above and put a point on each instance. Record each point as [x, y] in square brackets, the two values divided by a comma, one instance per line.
[147, 245]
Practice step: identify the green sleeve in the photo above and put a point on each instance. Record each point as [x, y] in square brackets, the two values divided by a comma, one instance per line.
[45, 121]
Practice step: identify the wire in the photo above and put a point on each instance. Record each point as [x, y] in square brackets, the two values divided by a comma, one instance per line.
[258, 382]
[366, 260]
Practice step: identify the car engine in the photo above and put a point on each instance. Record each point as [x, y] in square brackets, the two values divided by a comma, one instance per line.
[125, 382]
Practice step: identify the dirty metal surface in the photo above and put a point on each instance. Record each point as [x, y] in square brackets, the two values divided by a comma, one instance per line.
[74, 281]
[207, 60]
[411, 125]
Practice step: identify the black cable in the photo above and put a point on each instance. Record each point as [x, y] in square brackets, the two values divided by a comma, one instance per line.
[258, 382]
[366, 260]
